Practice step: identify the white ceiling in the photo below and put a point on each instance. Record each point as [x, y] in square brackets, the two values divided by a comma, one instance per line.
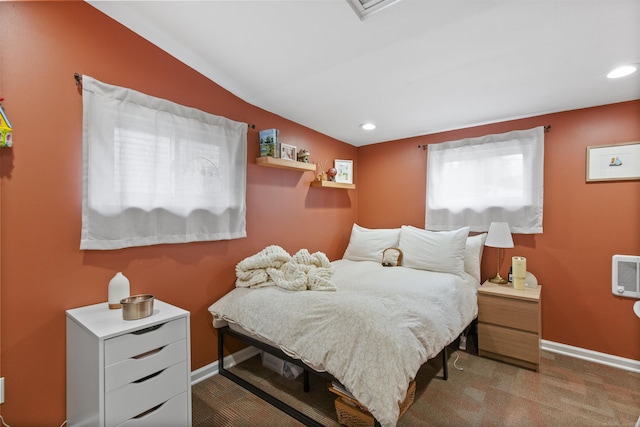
[414, 68]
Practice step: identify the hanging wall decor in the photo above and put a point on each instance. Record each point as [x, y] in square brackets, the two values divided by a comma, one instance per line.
[614, 162]
[5, 130]
[344, 170]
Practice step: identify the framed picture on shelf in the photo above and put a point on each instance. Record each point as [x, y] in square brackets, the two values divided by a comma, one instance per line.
[614, 162]
[344, 170]
[269, 143]
[288, 152]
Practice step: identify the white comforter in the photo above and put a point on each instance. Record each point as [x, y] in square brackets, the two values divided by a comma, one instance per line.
[372, 334]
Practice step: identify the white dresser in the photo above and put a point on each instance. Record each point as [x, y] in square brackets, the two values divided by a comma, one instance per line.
[128, 373]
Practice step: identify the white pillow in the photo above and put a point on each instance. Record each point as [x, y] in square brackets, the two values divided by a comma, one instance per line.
[473, 254]
[368, 244]
[441, 251]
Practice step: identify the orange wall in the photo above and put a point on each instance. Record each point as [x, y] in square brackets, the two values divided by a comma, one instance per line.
[584, 223]
[44, 272]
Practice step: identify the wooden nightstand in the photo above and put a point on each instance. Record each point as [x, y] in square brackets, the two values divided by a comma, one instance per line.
[509, 324]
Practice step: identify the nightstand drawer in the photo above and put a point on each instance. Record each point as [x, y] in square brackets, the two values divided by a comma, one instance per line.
[130, 370]
[509, 312]
[170, 413]
[135, 398]
[142, 341]
[509, 342]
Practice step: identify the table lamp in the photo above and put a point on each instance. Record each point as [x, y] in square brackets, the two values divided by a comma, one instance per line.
[499, 236]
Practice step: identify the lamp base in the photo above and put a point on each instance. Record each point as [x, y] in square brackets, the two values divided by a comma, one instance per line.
[499, 280]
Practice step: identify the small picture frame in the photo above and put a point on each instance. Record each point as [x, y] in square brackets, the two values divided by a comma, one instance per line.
[344, 170]
[288, 152]
[614, 162]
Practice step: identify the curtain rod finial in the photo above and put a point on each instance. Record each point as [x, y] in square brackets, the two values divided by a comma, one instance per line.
[78, 79]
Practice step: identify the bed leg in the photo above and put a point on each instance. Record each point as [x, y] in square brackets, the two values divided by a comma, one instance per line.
[289, 410]
[305, 378]
[220, 351]
[445, 368]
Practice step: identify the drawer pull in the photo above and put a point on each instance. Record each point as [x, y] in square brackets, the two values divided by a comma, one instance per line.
[147, 330]
[142, 340]
[148, 353]
[148, 377]
[148, 411]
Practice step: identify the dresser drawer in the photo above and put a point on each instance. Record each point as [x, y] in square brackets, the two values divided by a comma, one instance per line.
[130, 370]
[509, 312]
[509, 342]
[173, 412]
[135, 398]
[139, 342]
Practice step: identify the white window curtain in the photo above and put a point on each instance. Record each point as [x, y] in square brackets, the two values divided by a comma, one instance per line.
[157, 172]
[495, 178]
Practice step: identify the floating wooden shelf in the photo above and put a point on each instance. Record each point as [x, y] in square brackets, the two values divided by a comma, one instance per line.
[274, 162]
[331, 184]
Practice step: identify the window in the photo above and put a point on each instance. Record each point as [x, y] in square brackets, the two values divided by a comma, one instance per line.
[495, 178]
[158, 172]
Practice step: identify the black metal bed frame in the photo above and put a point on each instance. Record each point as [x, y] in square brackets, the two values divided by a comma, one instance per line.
[284, 407]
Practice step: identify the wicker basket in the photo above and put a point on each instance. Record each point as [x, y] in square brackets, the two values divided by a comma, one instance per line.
[351, 413]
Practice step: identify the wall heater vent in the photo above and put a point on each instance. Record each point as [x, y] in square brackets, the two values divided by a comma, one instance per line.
[625, 276]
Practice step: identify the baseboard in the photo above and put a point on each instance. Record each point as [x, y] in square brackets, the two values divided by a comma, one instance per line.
[229, 361]
[592, 356]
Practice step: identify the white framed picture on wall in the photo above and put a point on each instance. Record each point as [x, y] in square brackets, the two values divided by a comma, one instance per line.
[613, 162]
[344, 170]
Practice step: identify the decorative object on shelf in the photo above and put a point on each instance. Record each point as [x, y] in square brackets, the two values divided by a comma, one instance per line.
[519, 267]
[6, 139]
[303, 155]
[118, 290]
[269, 143]
[614, 162]
[345, 171]
[331, 173]
[320, 168]
[499, 236]
[288, 152]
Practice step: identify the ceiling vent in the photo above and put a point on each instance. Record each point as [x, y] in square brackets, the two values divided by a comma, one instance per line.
[365, 8]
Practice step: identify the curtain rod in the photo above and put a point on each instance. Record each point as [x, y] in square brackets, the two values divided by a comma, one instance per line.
[78, 78]
[547, 128]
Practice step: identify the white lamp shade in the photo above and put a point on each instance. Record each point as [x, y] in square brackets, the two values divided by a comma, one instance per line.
[499, 235]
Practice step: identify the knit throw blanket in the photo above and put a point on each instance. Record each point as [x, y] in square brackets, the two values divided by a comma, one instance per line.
[273, 266]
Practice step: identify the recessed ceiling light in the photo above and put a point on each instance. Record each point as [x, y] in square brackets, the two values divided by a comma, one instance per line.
[368, 126]
[625, 70]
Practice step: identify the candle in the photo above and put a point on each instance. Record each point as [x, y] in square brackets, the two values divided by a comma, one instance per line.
[519, 267]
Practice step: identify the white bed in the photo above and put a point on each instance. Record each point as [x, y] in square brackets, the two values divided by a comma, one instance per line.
[381, 323]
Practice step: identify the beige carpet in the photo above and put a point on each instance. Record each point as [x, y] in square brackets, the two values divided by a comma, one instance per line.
[566, 392]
